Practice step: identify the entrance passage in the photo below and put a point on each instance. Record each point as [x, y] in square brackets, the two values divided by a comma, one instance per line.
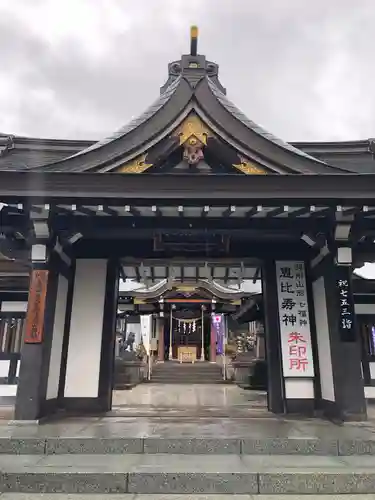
[190, 401]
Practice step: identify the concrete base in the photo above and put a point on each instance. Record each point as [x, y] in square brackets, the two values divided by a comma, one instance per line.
[243, 366]
[128, 373]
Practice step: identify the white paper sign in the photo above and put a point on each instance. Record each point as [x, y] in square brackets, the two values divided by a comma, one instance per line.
[146, 325]
[294, 319]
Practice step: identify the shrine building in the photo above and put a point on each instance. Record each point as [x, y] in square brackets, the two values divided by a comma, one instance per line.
[191, 199]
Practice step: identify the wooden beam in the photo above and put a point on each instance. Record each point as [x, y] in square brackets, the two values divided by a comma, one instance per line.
[86, 210]
[122, 273]
[256, 275]
[226, 276]
[229, 211]
[277, 211]
[253, 211]
[20, 186]
[299, 212]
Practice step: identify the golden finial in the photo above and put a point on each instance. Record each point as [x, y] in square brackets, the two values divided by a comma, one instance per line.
[193, 40]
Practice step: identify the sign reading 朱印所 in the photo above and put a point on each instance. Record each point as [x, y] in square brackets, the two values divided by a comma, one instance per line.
[294, 319]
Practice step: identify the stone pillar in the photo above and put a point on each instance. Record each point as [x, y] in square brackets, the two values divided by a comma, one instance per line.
[34, 384]
[339, 350]
[260, 343]
[160, 337]
[92, 336]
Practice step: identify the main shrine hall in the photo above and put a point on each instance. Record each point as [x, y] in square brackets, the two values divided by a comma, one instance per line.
[192, 199]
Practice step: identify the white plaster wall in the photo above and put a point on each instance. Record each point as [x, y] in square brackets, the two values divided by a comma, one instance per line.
[57, 338]
[372, 369]
[369, 392]
[8, 390]
[299, 388]
[83, 364]
[364, 308]
[13, 306]
[322, 333]
[4, 367]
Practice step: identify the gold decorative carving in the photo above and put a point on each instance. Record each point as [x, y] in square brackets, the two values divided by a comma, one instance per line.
[193, 128]
[136, 166]
[249, 168]
[193, 135]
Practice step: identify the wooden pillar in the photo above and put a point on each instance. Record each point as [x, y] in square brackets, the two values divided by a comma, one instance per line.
[338, 343]
[31, 401]
[212, 343]
[107, 357]
[275, 389]
[160, 334]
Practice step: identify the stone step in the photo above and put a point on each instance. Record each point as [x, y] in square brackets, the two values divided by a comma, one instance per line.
[201, 378]
[130, 496]
[118, 445]
[187, 367]
[187, 474]
[185, 374]
[196, 367]
[189, 380]
[206, 375]
[200, 413]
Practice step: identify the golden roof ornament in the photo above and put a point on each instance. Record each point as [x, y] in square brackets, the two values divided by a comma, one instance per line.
[193, 135]
[248, 168]
[191, 127]
[136, 166]
[193, 40]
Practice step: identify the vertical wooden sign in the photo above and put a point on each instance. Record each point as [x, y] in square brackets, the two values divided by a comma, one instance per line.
[36, 307]
[347, 326]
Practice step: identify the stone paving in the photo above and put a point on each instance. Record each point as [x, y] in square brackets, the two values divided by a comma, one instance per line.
[59, 496]
[201, 395]
[246, 417]
[132, 451]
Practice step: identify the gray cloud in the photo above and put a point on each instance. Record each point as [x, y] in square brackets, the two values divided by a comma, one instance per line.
[82, 69]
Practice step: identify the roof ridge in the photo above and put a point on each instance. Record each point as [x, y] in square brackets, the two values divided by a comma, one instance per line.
[134, 122]
[223, 99]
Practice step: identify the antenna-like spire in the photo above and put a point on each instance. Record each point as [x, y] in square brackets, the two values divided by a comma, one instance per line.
[193, 40]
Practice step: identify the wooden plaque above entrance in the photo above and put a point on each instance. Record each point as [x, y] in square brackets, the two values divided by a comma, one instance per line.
[36, 307]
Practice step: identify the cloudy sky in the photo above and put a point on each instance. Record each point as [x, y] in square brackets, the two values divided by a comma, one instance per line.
[83, 68]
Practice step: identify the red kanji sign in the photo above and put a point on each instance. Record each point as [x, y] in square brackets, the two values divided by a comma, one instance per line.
[36, 307]
[298, 364]
[296, 337]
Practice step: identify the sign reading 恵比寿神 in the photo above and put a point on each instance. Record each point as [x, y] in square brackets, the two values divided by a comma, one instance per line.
[295, 334]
